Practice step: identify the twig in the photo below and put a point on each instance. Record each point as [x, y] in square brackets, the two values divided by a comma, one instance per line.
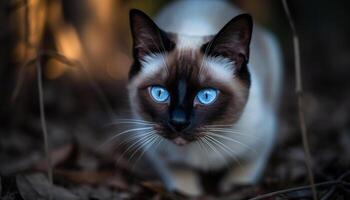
[339, 181]
[20, 76]
[279, 192]
[299, 92]
[329, 193]
[26, 28]
[43, 123]
[334, 187]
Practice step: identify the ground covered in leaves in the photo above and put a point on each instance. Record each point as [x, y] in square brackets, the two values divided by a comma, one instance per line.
[78, 124]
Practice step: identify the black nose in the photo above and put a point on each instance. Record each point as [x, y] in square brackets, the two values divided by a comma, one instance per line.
[179, 120]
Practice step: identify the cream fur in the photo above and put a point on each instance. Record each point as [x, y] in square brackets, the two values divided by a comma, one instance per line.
[259, 120]
[257, 125]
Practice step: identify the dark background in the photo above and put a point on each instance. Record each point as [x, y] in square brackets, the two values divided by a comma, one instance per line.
[95, 34]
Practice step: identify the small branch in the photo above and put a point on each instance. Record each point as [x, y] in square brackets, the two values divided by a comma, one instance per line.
[43, 124]
[333, 183]
[20, 77]
[299, 92]
[298, 81]
[26, 28]
[279, 192]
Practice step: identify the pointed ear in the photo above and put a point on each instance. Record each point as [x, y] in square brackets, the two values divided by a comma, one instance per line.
[232, 41]
[147, 36]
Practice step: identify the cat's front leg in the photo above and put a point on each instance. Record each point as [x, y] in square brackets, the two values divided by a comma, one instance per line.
[187, 181]
[246, 173]
[183, 180]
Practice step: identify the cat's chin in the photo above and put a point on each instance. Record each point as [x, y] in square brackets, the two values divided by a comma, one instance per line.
[178, 138]
[180, 141]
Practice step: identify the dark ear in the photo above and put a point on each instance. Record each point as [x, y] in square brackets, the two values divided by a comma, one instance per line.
[233, 40]
[147, 37]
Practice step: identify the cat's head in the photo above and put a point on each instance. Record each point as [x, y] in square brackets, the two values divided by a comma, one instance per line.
[185, 84]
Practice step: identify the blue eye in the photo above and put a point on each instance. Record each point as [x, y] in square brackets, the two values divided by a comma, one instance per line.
[159, 94]
[207, 96]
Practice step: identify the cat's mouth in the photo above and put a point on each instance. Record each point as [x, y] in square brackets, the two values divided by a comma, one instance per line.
[180, 141]
[180, 138]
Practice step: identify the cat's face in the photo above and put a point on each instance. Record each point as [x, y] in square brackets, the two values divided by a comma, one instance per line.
[185, 84]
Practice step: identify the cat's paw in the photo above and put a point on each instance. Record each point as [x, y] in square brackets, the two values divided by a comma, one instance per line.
[187, 182]
[247, 173]
[237, 178]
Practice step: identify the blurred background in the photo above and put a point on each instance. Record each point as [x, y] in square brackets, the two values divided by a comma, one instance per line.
[84, 48]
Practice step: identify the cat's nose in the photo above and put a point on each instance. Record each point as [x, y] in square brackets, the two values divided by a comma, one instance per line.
[179, 120]
[179, 125]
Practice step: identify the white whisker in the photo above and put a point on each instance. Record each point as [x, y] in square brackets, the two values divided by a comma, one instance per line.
[202, 147]
[147, 147]
[133, 120]
[225, 148]
[135, 137]
[205, 139]
[232, 132]
[224, 129]
[136, 143]
[122, 133]
[144, 145]
[218, 125]
[231, 139]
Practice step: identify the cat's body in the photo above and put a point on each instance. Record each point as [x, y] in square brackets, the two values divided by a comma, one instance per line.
[253, 127]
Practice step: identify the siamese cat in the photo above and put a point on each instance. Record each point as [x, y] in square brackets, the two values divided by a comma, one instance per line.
[205, 85]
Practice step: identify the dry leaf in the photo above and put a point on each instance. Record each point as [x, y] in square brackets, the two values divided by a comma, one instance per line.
[37, 187]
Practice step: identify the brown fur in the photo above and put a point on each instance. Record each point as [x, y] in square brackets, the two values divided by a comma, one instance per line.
[183, 74]
[184, 64]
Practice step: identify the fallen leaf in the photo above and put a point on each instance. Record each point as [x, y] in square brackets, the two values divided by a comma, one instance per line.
[37, 187]
[58, 156]
[86, 177]
[154, 186]
[117, 183]
[19, 164]
[161, 193]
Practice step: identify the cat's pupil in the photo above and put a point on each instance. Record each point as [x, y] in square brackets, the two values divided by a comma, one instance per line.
[206, 95]
[159, 92]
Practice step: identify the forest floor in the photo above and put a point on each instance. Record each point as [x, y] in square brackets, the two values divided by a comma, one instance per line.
[77, 125]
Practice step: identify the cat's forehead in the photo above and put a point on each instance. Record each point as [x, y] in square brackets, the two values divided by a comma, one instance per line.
[187, 64]
[186, 61]
[171, 66]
